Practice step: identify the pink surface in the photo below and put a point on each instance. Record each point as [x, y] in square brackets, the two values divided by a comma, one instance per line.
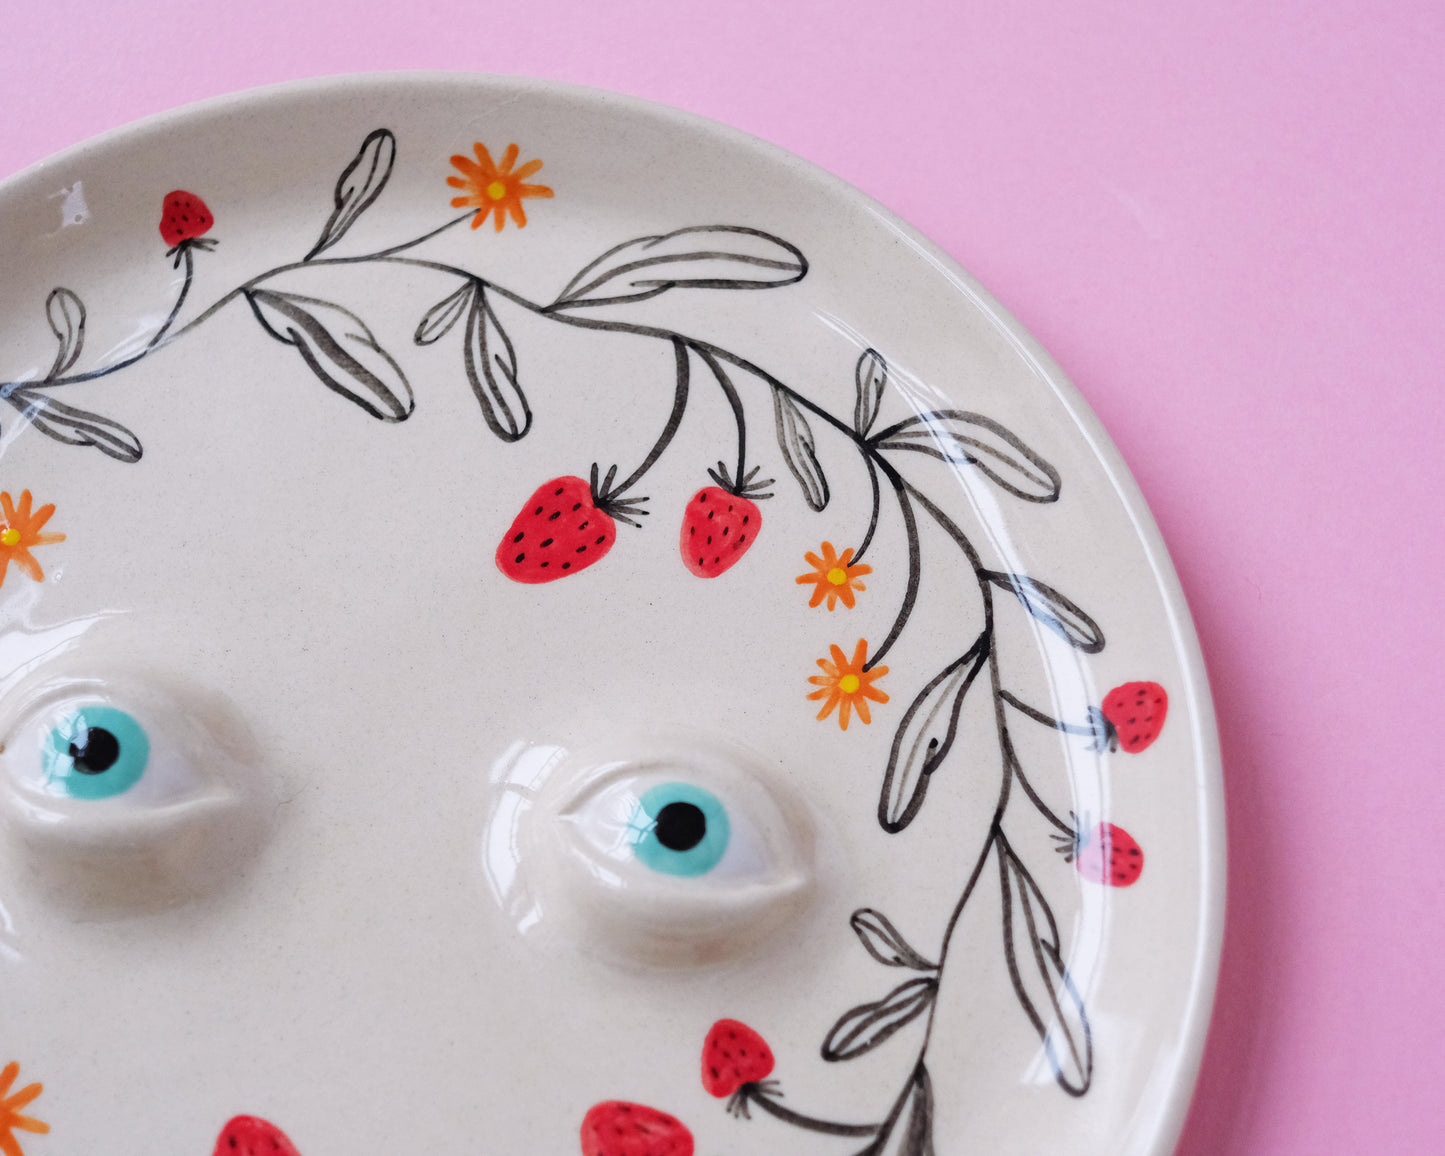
[1226, 225]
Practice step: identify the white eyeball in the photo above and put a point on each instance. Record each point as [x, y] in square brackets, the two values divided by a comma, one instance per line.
[671, 852]
[124, 792]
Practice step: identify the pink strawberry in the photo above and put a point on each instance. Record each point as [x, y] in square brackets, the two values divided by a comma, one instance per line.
[184, 217]
[1135, 714]
[733, 1055]
[1109, 855]
[721, 523]
[566, 526]
[253, 1136]
[616, 1128]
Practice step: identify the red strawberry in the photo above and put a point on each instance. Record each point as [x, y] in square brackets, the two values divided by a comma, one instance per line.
[733, 1055]
[184, 217]
[565, 527]
[253, 1136]
[1109, 855]
[1135, 714]
[721, 523]
[616, 1128]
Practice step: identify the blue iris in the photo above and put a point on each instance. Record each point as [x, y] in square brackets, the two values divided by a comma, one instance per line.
[95, 753]
[679, 829]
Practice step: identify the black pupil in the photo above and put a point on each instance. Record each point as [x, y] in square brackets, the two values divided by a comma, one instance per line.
[680, 826]
[95, 750]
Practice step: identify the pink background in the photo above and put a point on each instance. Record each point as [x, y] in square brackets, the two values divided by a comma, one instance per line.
[1225, 222]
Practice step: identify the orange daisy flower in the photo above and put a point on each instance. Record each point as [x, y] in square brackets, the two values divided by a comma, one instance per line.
[19, 531]
[494, 189]
[10, 1117]
[846, 685]
[832, 577]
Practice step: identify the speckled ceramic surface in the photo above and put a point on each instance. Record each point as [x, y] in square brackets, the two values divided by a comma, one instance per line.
[535, 621]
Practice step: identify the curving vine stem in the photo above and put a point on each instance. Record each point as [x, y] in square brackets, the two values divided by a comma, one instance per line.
[342, 352]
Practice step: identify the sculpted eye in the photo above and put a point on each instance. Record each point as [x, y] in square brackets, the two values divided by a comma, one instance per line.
[679, 829]
[125, 793]
[94, 753]
[670, 854]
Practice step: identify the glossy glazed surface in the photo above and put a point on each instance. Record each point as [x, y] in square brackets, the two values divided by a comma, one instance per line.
[355, 433]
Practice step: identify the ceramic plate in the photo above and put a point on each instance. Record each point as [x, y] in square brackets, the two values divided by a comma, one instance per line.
[536, 623]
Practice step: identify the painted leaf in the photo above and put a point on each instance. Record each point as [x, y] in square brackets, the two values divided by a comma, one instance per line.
[924, 738]
[885, 943]
[437, 321]
[908, 1131]
[870, 377]
[1040, 980]
[66, 314]
[339, 349]
[1054, 610]
[958, 437]
[492, 371]
[699, 257]
[76, 427]
[358, 186]
[863, 1028]
[795, 439]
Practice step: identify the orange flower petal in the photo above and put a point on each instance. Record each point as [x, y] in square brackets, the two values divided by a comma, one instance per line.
[24, 1096]
[30, 1124]
[527, 170]
[42, 516]
[509, 158]
[28, 565]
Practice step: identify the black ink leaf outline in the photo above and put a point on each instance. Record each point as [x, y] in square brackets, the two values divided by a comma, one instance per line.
[358, 186]
[1040, 977]
[950, 436]
[437, 321]
[870, 378]
[336, 358]
[913, 1112]
[1051, 608]
[487, 346]
[925, 736]
[960, 437]
[795, 439]
[645, 266]
[861, 1029]
[72, 426]
[65, 312]
[885, 943]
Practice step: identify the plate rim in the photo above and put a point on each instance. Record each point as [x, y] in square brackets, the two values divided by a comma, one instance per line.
[1205, 746]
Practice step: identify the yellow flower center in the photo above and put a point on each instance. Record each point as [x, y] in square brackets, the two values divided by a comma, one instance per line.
[496, 190]
[9, 536]
[838, 576]
[849, 684]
